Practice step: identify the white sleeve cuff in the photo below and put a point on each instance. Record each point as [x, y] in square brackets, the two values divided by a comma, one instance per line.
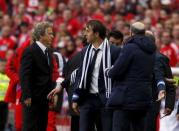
[59, 81]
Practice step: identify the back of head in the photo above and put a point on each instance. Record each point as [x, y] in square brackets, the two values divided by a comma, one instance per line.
[144, 39]
[116, 34]
[138, 28]
[115, 37]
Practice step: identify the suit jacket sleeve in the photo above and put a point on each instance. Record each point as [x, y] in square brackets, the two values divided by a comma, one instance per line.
[78, 93]
[25, 73]
[65, 83]
[159, 72]
[170, 91]
[162, 69]
[69, 67]
[122, 63]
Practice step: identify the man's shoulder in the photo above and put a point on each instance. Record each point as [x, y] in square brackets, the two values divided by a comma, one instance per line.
[30, 49]
[82, 52]
[160, 56]
[84, 49]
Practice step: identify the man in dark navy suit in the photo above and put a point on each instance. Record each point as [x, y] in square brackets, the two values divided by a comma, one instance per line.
[92, 88]
[132, 89]
[36, 78]
[161, 88]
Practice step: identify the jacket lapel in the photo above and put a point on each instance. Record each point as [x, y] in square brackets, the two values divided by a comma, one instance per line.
[41, 56]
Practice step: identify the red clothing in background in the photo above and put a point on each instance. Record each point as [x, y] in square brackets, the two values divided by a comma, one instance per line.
[171, 53]
[14, 93]
[3, 6]
[6, 44]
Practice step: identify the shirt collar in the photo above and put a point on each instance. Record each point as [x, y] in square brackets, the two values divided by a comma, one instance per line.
[100, 47]
[42, 47]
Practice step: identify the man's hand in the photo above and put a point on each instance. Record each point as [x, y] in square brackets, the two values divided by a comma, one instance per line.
[75, 108]
[28, 102]
[161, 95]
[167, 111]
[177, 117]
[54, 92]
[53, 102]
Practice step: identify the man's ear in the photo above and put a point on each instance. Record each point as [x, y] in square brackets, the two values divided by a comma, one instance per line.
[96, 34]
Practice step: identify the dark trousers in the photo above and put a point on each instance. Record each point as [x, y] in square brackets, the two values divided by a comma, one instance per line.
[3, 115]
[93, 115]
[35, 117]
[75, 123]
[124, 120]
[151, 117]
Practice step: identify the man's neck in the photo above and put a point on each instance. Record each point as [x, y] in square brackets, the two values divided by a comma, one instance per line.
[97, 43]
[41, 41]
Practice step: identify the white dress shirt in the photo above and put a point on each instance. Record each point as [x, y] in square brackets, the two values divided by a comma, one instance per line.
[169, 123]
[95, 73]
[42, 47]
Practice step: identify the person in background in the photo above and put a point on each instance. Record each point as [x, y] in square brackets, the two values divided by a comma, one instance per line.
[162, 88]
[7, 41]
[71, 66]
[79, 43]
[168, 48]
[116, 37]
[71, 48]
[4, 80]
[56, 106]
[14, 91]
[24, 33]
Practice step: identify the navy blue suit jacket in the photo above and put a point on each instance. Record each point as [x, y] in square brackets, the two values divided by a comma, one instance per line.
[132, 73]
[83, 92]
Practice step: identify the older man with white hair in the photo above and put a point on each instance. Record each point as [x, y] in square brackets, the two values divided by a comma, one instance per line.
[132, 74]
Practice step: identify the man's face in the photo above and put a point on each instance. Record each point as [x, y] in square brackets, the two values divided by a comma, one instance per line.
[117, 42]
[90, 35]
[176, 32]
[6, 31]
[48, 37]
[166, 39]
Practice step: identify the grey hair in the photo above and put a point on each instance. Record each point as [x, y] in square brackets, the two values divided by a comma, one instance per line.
[40, 30]
[138, 28]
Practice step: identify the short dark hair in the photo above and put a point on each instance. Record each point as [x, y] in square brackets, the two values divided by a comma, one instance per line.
[116, 34]
[97, 26]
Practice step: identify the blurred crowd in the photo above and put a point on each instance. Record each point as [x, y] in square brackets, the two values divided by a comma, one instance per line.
[18, 17]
